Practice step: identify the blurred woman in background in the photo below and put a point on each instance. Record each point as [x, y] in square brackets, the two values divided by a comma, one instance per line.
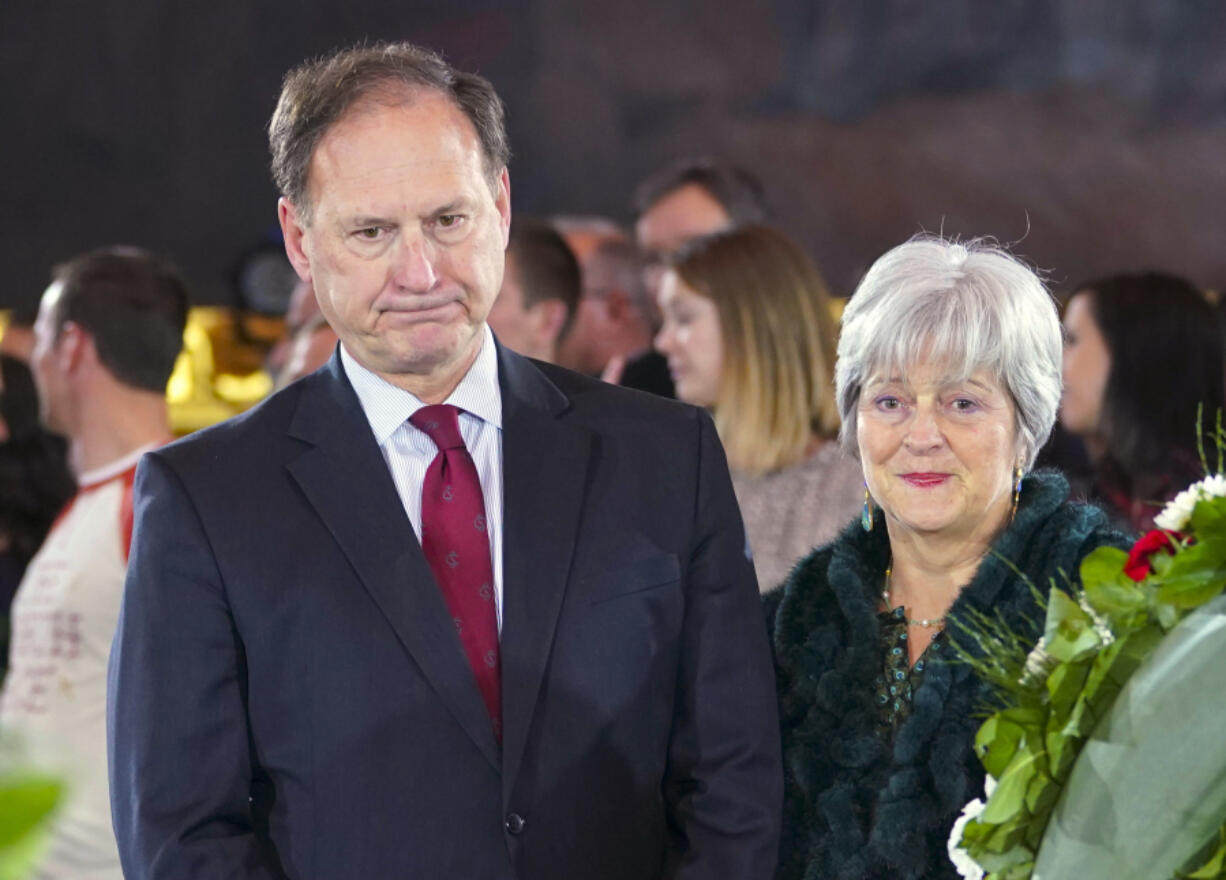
[1142, 353]
[748, 333]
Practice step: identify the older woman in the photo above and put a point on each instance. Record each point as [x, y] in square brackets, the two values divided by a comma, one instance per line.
[748, 332]
[948, 382]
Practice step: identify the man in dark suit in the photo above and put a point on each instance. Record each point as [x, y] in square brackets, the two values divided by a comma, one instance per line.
[436, 610]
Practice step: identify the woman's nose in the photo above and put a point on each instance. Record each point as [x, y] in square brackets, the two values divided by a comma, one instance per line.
[923, 432]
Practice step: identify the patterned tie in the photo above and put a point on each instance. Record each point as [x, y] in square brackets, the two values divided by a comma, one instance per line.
[454, 540]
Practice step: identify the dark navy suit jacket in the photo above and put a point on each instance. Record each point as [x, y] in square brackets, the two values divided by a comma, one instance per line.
[288, 697]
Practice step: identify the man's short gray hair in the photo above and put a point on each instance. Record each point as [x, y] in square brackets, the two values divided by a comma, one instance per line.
[967, 305]
[319, 93]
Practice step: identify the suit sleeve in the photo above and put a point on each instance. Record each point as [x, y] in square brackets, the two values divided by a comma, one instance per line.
[180, 762]
[724, 782]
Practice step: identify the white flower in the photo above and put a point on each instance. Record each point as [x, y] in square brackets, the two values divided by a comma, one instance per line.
[1213, 486]
[967, 866]
[1102, 626]
[1038, 664]
[1178, 511]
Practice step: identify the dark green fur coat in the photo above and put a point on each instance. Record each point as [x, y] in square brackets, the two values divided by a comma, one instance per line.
[856, 806]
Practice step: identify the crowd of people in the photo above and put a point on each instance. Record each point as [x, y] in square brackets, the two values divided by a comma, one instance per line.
[469, 596]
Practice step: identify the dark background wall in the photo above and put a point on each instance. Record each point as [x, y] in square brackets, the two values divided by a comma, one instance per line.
[1090, 133]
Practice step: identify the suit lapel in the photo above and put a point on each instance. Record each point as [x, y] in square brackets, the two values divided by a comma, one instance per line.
[346, 480]
[545, 461]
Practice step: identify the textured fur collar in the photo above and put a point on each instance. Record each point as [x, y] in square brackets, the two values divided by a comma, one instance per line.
[855, 806]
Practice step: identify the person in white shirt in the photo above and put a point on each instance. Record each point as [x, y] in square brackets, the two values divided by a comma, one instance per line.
[109, 329]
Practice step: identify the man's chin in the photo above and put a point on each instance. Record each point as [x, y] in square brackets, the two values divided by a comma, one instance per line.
[426, 350]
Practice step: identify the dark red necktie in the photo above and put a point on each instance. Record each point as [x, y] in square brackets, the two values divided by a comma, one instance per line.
[455, 542]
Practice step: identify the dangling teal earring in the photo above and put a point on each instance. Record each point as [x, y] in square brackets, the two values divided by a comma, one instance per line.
[866, 512]
[1017, 492]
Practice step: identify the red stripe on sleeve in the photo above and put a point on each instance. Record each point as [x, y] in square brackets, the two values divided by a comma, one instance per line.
[126, 513]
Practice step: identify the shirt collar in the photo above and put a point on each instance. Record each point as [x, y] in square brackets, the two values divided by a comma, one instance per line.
[99, 475]
[388, 407]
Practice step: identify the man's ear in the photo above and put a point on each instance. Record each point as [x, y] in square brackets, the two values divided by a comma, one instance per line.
[502, 201]
[293, 229]
[549, 315]
[617, 305]
[73, 347]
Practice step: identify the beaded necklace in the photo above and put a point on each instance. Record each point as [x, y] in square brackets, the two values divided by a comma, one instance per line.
[926, 622]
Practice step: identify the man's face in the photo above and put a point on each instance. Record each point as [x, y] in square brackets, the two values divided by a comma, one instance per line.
[405, 243]
[509, 318]
[531, 330]
[45, 364]
[595, 334]
[590, 342]
[684, 214]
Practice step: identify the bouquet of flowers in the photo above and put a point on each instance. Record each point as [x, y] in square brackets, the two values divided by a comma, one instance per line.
[1108, 759]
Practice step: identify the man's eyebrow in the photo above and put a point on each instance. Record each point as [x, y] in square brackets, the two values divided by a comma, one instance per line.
[362, 221]
[451, 207]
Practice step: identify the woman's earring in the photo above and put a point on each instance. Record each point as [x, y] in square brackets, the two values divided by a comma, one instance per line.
[866, 513]
[1017, 491]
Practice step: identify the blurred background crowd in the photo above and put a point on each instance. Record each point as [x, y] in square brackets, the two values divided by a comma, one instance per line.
[697, 188]
[1084, 136]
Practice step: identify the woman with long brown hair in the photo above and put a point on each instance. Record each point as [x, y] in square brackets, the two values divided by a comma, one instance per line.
[748, 333]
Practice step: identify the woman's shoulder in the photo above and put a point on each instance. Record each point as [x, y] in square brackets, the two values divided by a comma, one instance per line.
[804, 589]
[833, 582]
[1073, 522]
[1052, 534]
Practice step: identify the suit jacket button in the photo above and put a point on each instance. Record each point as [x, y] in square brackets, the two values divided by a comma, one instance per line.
[514, 823]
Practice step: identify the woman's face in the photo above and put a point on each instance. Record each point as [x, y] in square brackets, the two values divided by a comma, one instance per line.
[690, 339]
[939, 455]
[1087, 365]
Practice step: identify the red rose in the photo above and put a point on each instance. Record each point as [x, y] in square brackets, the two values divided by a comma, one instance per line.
[1138, 566]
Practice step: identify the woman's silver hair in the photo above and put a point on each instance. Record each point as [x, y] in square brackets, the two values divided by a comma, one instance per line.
[967, 305]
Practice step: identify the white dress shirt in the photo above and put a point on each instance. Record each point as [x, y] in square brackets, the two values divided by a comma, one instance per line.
[409, 452]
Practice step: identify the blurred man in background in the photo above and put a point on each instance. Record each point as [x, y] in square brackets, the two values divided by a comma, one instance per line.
[540, 291]
[616, 318]
[109, 329]
[690, 199]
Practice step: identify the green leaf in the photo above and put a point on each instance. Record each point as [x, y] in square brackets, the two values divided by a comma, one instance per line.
[1111, 592]
[1002, 854]
[1166, 614]
[26, 802]
[1017, 872]
[1000, 736]
[1042, 794]
[1209, 517]
[1070, 632]
[1062, 751]
[1064, 685]
[1122, 601]
[1103, 565]
[1006, 838]
[1210, 862]
[1009, 797]
[1189, 590]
